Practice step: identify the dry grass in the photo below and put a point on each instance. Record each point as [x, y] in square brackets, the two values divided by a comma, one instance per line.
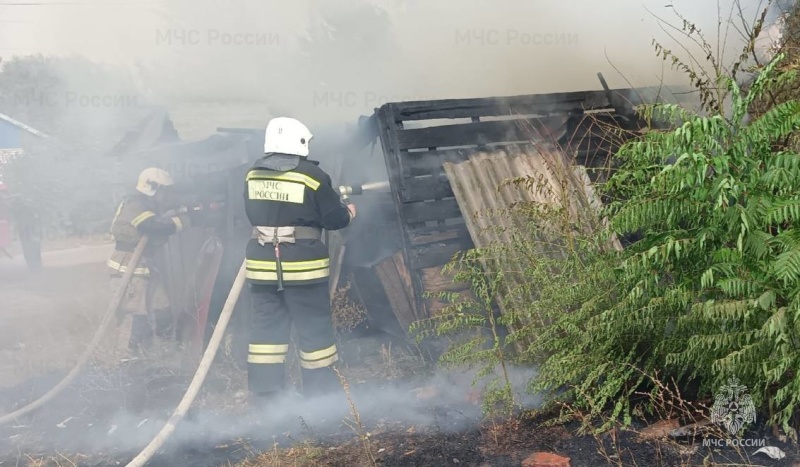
[57, 460]
[347, 314]
[356, 424]
[668, 407]
[301, 455]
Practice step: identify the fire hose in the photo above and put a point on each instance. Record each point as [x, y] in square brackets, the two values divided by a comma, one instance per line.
[199, 377]
[211, 351]
[98, 336]
[205, 364]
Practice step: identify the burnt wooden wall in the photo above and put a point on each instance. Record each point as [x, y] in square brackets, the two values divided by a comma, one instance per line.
[588, 125]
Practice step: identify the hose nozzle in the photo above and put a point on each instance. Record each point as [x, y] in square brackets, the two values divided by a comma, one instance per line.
[347, 190]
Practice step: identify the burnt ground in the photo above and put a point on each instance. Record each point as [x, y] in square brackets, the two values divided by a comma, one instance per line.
[106, 418]
[112, 411]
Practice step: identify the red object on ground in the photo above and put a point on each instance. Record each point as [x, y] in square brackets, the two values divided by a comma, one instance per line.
[212, 256]
[545, 459]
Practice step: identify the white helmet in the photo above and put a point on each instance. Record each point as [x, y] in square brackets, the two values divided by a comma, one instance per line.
[152, 178]
[287, 136]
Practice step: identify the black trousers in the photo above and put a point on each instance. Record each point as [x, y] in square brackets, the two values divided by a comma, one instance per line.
[309, 308]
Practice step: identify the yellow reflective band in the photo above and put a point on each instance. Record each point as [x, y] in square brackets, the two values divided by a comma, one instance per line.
[327, 352]
[285, 176]
[139, 271]
[269, 349]
[142, 217]
[265, 359]
[296, 266]
[178, 223]
[319, 363]
[287, 276]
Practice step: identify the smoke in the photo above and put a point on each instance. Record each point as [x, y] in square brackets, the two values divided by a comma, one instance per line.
[237, 63]
[443, 403]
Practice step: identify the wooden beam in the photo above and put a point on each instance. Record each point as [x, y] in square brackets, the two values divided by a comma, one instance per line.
[482, 133]
[431, 211]
[425, 188]
[397, 289]
[387, 127]
[435, 281]
[438, 234]
[424, 162]
[370, 292]
[531, 104]
[419, 163]
[537, 104]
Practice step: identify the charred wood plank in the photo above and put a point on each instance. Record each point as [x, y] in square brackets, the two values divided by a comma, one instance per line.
[438, 234]
[387, 127]
[370, 292]
[535, 104]
[418, 183]
[435, 255]
[482, 133]
[396, 282]
[425, 188]
[425, 162]
[435, 281]
[419, 163]
[431, 211]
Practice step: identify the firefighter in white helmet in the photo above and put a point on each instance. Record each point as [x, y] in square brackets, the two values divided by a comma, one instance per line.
[289, 200]
[145, 307]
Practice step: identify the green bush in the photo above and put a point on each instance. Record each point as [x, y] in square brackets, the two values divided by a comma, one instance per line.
[711, 289]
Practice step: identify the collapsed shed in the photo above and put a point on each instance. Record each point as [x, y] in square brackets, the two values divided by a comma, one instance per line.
[444, 161]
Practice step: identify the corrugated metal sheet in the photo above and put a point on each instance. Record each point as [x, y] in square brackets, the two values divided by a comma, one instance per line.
[483, 186]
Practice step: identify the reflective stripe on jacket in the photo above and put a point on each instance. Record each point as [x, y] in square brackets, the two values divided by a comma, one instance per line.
[302, 196]
[136, 216]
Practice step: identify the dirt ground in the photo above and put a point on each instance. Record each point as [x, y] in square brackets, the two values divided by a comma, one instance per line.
[400, 415]
[46, 319]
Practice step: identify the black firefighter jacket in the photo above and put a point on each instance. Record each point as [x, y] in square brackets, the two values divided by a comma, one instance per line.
[281, 191]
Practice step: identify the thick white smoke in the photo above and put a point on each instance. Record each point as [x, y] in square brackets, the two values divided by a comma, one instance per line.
[239, 62]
